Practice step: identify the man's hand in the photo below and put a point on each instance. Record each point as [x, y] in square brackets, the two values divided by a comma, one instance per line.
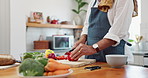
[82, 49]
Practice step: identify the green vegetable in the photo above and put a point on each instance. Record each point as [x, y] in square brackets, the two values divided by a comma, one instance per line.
[33, 55]
[31, 67]
[42, 60]
[27, 55]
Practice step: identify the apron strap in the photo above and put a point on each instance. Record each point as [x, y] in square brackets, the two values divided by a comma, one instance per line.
[94, 3]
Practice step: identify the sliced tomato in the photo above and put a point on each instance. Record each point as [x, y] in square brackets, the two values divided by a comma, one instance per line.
[61, 57]
[69, 58]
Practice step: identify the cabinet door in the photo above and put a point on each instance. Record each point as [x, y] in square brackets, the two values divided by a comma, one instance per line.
[146, 60]
[138, 60]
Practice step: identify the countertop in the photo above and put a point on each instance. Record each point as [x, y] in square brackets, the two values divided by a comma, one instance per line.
[128, 71]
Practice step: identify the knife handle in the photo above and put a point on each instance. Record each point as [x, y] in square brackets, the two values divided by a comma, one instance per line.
[93, 68]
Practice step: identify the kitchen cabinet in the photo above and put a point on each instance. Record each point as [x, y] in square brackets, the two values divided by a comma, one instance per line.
[140, 58]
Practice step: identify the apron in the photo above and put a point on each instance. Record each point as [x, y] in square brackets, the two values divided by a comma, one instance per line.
[98, 28]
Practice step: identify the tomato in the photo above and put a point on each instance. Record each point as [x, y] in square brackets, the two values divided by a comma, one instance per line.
[65, 58]
[51, 55]
[69, 58]
[67, 53]
[61, 57]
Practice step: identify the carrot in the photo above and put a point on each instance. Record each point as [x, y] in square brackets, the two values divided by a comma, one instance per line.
[62, 67]
[58, 72]
[52, 60]
[51, 66]
[45, 74]
[50, 73]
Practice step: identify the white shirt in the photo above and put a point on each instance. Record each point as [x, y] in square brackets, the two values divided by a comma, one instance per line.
[119, 16]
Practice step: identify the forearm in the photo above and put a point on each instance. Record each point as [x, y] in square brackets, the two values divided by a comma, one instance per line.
[104, 43]
[83, 38]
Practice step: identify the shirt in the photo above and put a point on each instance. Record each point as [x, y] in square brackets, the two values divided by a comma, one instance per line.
[119, 16]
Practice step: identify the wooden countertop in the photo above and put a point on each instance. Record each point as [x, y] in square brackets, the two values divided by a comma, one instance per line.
[128, 71]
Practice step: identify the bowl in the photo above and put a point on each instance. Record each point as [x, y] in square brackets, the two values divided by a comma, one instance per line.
[116, 61]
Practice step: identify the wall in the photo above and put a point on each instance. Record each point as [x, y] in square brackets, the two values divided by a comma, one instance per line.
[4, 27]
[17, 28]
[135, 24]
[144, 20]
[58, 9]
[20, 40]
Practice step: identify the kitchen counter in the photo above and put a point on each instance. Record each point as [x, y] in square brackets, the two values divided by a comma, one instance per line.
[143, 53]
[140, 57]
[128, 71]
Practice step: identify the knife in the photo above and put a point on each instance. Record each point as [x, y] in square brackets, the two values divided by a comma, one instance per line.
[93, 68]
[71, 50]
[67, 53]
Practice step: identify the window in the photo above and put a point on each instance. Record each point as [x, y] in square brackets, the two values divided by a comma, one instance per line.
[135, 24]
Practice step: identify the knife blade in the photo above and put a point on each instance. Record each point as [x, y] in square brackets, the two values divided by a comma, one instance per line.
[71, 50]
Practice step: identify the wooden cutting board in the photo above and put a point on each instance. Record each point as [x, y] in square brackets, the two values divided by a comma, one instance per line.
[80, 62]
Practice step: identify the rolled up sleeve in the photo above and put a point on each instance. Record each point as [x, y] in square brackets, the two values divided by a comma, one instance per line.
[121, 22]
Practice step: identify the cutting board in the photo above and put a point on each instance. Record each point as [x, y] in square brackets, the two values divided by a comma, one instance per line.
[80, 62]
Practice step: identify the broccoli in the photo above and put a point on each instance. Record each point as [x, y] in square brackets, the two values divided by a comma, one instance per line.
[33, 55]
[31, 67]
[42, 60]
[27, 55]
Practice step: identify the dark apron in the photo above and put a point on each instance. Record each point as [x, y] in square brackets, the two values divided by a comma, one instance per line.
[98, 28]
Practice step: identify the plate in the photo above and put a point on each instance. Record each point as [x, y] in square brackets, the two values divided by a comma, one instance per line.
[8, 66]
[54, 76]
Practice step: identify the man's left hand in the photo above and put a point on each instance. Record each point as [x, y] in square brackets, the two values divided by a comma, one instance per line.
[82, 49]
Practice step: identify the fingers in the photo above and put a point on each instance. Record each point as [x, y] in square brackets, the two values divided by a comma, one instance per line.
[82, 49]
[81, 54]
[76, 52]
